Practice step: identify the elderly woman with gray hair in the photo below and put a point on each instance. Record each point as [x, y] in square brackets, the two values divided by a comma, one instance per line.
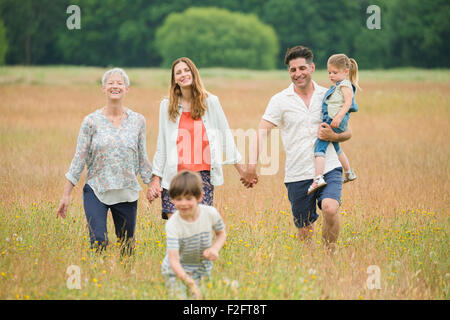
[111, 143]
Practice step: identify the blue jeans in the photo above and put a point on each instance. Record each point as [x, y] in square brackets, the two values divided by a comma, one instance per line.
[320, 148]
[124, 216]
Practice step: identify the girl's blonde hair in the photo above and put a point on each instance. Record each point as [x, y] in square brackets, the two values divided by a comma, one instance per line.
[199, 93]
[341, 61]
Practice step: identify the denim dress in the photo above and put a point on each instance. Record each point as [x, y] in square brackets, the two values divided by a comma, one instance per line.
[321, 146]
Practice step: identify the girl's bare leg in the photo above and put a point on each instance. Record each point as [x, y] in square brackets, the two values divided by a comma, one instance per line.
[344, 161]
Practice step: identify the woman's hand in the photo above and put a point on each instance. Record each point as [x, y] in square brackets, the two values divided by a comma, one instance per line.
[247, 181]
[249, 177]
[62, 208]
[154, 189]
[64, 203]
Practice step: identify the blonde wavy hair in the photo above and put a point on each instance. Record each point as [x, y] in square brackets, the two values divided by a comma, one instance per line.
[199, 93]
[342, 62]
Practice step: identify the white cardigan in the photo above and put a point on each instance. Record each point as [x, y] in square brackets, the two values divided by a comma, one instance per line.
[221, 141]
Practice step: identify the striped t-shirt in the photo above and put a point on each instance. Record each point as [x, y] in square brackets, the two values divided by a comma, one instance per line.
[191, 239]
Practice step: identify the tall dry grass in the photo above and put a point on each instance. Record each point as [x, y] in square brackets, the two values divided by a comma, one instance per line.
[394, 216]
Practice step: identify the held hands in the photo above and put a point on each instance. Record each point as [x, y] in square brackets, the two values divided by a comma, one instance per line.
[154, 189]
[248, 175]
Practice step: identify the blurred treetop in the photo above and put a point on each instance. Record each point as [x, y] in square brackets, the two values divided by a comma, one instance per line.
[122, 33]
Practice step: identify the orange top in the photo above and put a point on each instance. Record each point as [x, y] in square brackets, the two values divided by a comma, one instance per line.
[192, 144]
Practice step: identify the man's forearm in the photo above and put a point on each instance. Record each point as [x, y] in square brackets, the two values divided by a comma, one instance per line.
[343, 136]
[264, 129]
[325, 133]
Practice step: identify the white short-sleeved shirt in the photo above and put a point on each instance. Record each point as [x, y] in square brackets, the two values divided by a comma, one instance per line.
[191, 239]
[298, 127]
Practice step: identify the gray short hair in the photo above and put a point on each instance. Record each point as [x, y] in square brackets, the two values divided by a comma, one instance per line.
[116, 70]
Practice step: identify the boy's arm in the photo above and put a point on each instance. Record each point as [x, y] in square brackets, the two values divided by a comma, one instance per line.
[174, 260]
[212, 253]
[221, 237]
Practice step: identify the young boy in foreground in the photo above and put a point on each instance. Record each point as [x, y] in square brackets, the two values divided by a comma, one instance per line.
[190, 248]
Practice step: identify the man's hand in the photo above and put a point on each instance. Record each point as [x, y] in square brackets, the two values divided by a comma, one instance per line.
[325, 132]
[249, 177]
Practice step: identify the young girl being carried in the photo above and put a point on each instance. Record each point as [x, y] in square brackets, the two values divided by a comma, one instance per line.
[336, 107]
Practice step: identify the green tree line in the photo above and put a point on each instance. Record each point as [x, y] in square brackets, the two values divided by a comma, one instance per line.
[124, 33]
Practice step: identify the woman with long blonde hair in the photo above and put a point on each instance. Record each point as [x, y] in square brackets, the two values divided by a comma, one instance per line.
[193, 135]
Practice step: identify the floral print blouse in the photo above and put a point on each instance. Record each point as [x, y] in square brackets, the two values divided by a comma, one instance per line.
[113, 156]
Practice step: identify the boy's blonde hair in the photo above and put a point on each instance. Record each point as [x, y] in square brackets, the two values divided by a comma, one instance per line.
[186, 183]
[341, 61]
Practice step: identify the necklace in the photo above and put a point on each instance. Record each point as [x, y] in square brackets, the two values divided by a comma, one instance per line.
[116, 119]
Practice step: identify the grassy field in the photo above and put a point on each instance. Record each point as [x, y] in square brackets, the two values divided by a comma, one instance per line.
[394, 216]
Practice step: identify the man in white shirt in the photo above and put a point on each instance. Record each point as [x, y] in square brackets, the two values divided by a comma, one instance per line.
[297, 111]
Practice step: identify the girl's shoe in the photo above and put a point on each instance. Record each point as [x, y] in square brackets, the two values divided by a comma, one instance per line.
[349, 176]
[318, 183]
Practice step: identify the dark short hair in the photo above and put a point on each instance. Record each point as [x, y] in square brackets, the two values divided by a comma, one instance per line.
[186, 183]
[298, 52]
